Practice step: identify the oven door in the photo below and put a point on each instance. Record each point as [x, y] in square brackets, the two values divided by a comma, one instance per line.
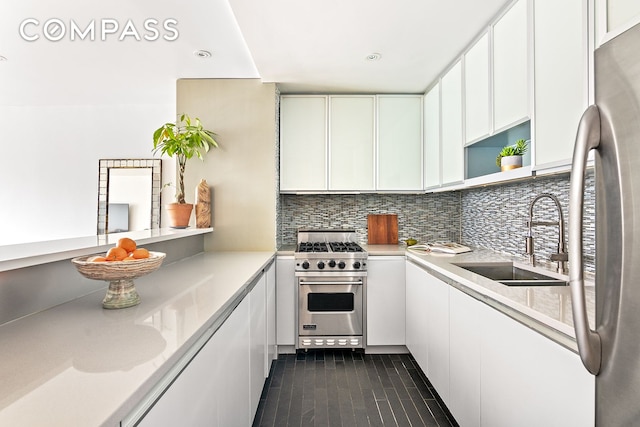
[330, 306]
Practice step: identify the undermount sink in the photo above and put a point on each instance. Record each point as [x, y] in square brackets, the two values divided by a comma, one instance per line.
[510, 274]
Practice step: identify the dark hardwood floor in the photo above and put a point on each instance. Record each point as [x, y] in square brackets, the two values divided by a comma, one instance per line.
[346, 388]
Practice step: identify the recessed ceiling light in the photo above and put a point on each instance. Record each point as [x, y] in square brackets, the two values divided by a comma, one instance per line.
[373, 57]
[3, 58]
[202, 53]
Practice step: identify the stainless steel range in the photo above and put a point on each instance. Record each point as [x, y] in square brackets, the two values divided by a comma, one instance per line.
[331, 277]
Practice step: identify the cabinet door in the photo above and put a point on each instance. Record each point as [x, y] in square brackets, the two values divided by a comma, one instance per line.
[351, 142]
[417, 322]
[465, 331]
[399, 142]
[451, 120]
[528, 380]
[615, 17]
[272, 348]
[437, 308]
[511, 67]
[560, 36]
[303, 143]
[432, 138]
[258, 336]
[214, 388]
[386, 300]
[285, 301]
[476, 90]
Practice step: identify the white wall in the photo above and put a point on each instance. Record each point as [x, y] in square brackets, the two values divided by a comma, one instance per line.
[49, 163]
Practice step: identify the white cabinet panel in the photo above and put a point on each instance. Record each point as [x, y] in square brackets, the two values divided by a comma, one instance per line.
[615, 17]
[437, 308]
[272, 348]
[258, 343]
[214, 388]
[432, 138]
[399, 142]
[303, 143]
[465, 330]
[561, 78]
[476, 89]
[386, 300]
[417, 322]
[352, 142]
[511, 66]
[451, 121]
[285, 301]
[528, 380]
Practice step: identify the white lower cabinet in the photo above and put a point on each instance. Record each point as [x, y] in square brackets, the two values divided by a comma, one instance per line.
[213, 389]
[464, 357]
[437, 308]
[528, 380]
[385, 300]
[285, 301]
[272, 347]
[222, 383]
[417, 323]
[489, 369]
[258, 336]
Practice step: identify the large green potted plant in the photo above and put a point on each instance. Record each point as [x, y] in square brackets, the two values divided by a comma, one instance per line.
[510, 157]
[182, 140]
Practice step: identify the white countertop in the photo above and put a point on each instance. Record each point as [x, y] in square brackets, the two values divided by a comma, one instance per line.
[28, 254]
[80, 365]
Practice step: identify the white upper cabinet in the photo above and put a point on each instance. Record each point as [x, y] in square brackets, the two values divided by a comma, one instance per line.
[432, 138]
[561, 79]
[351, 136]
[451, 121]
[511, 67]
[614, 17]
[303, 143]
[350, 143]
[399, 142]
[476, 90]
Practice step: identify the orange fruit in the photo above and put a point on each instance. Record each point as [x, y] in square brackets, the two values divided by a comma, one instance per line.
[129, 258]
[116, 254]
[127, 244]
[97, 259]
[140, 253]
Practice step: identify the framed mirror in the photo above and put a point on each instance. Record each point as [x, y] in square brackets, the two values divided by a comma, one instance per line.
[129, 194]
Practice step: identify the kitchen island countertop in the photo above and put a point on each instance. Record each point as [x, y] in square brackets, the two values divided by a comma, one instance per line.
[77, 364]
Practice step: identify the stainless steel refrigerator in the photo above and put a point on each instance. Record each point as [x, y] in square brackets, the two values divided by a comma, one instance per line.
[610, 349]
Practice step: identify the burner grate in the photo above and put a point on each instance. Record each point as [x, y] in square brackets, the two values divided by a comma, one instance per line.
[313, 247]
[345, 247]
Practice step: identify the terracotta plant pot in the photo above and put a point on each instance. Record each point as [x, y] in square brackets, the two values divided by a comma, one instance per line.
[179, 214]
[510, 162]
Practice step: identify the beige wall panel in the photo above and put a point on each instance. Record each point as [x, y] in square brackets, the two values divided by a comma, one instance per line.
[242, 171]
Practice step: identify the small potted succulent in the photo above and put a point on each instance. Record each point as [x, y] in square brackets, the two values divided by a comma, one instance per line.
[182, 140]
[511, 156]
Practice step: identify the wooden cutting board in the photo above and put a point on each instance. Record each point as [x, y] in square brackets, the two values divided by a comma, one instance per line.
[383, 229]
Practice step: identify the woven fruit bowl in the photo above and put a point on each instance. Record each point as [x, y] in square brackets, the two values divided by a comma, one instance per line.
[120, 275]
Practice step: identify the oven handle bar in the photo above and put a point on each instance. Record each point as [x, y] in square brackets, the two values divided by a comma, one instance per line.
[329, 282]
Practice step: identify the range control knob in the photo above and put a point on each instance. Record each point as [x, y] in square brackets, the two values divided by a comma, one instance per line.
[320, 265]
[341, 265]
[305, 265]
[332, 263]
[356, 265]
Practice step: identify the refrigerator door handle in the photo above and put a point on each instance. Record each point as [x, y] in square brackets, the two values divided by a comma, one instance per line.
[587, 139]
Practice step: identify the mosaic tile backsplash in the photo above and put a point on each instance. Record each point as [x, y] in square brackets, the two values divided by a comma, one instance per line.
[422, 217]
[491, 217]
[495, 217]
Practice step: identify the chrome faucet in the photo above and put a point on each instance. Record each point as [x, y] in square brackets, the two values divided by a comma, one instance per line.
[561, 257]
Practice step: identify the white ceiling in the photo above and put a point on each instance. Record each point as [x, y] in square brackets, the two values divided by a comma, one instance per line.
[304, 45]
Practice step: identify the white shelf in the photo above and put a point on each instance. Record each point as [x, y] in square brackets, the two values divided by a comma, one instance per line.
[29, 254]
